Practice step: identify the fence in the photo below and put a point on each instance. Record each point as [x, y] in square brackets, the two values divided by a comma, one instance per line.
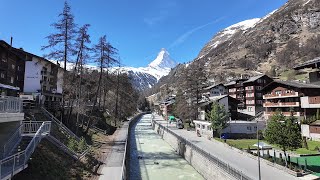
[224, 166]
[10, 104]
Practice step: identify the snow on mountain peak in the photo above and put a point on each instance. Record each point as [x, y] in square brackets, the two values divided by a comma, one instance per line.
[163, 61]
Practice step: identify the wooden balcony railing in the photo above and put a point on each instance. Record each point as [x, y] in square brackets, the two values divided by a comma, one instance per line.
[283, 95]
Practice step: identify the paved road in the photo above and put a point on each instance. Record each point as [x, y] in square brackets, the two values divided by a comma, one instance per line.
[233, 157]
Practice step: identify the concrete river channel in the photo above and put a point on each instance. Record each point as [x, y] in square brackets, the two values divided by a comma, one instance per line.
[151, 158]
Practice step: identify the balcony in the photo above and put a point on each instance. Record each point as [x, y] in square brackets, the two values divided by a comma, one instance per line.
[296, 114]
[310, 102]
[283, 95]
[281, 104]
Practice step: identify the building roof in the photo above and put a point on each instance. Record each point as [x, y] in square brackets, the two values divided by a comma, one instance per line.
[254, 78]
[297, 84]
[316, 123]
[21, 51]
[313, 63]
[210, 87]
[230, 83]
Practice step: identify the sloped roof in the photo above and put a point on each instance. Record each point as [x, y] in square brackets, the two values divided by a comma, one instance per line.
[210, 87]
[254, 78]
[230, 83]
[297, 84]
[308, 64]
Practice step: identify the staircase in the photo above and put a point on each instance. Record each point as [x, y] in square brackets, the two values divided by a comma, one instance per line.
[20, 147]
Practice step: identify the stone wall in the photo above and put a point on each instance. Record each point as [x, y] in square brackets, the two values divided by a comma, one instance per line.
[208, 166]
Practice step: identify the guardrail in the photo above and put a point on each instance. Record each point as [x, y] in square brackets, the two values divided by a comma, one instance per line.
[224, 166]
[17, 162]
[10, 104]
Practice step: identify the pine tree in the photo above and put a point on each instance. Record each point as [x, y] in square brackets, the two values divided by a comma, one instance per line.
[61, 43]
[284, 132]
[218, 117]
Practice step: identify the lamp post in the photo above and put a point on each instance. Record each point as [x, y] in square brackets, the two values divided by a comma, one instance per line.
[258, 152]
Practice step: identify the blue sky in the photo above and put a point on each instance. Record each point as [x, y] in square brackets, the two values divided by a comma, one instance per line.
[138, 29]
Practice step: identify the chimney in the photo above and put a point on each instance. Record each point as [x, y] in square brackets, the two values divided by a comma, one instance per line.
[11, 41]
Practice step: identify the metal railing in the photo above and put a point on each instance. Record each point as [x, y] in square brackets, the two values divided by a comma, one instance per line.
[224, 166]
[60, 124]
[63, 134]
[10, 104]
[17, 162]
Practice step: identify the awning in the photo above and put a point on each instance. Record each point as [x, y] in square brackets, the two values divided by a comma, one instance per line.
[9, 87]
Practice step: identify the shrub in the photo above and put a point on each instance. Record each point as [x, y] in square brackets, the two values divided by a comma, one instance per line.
[72, 144]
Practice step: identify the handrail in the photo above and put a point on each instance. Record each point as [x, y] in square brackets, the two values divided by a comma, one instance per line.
[49, 115]
[17, 162]
[9, 145]
[10, 104]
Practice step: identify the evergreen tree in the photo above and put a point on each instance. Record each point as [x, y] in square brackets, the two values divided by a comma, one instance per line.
[284, 132]
[218, 116]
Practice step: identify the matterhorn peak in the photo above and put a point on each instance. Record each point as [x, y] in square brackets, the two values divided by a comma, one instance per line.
[163, 61]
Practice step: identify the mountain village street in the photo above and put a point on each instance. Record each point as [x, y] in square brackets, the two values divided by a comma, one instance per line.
[233, 157]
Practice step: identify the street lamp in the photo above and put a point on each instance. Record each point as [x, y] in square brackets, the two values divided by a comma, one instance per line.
[258, 152]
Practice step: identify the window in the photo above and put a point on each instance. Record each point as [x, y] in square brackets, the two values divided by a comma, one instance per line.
[278, 92]
[249, 88]
[259, 94]
[259, 102]
[18, 68]
[203, 126]
[18, 78]
[2, 75]
[11, 80]
[208, 127]
[198, 125]
[13, 66]
[249, 95]
[249, 109]
[249, 102]
[260, 80]
[259, 87]
[249, 128]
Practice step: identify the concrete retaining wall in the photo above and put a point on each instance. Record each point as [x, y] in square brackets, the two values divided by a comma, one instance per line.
[205, 165]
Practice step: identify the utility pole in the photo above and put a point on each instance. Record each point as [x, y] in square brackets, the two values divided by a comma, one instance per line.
[258, 152]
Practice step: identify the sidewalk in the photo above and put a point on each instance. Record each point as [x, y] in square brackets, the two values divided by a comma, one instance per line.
[112, 169]
[233, 157]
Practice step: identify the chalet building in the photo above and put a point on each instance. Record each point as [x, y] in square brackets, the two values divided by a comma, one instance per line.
[286, 96]
[230, 104]
[249, 93]
[11, 70]
[215, 90]
[43, 80]
[314, 74]
[311, 131]
[166, 107]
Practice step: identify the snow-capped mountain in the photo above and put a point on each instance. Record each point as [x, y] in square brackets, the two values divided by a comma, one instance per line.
[142, 77]
[146, 77]
[229, 32]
